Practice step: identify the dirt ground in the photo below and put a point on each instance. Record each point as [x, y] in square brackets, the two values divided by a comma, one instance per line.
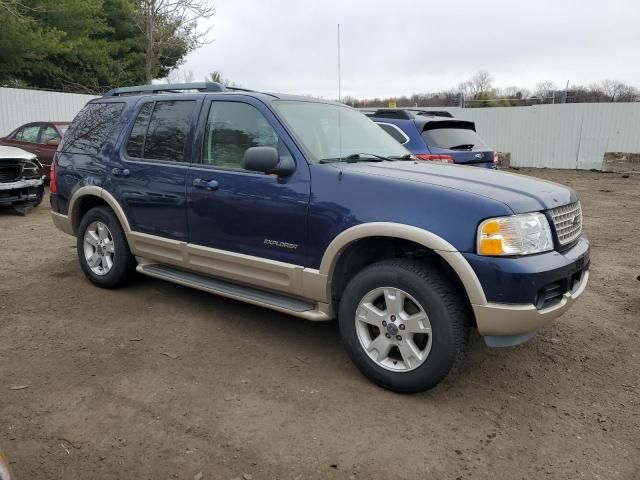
[157, 381]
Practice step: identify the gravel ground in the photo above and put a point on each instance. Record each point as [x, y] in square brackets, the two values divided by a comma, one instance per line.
[157, 381]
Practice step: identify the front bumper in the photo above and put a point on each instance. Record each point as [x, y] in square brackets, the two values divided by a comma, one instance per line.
[525, 293]
[20, 191]
[514, 320]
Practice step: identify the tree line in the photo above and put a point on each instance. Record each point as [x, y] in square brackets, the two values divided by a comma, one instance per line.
[479, 91]
[90, 46]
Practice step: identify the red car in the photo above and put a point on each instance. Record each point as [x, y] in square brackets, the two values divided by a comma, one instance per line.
[40, 138]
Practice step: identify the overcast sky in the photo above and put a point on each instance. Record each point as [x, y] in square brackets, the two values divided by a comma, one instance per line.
[395, 47]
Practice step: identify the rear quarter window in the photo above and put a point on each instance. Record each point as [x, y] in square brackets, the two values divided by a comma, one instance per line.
[395, 132]
[91, 128]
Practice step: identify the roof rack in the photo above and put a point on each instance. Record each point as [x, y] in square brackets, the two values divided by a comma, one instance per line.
[166, 88]
[398, 113]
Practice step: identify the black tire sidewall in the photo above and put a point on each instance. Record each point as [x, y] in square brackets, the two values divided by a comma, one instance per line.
[443, 349]
[122, 258]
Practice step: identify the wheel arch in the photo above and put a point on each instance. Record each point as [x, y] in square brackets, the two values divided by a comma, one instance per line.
[91, 196]
[393, 235]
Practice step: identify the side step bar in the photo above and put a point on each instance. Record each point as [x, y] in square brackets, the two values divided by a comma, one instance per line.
[274, 301]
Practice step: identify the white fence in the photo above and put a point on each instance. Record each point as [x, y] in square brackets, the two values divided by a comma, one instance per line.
[558, 136]
[18, 106]
[552, 136]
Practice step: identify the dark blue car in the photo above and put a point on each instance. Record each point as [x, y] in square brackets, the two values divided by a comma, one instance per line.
[435, 135]
[307, 207]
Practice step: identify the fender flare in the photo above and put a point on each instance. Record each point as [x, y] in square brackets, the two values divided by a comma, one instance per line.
[95, 191]
[406, 232]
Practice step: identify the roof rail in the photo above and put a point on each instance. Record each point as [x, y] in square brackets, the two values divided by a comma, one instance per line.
[166, 87]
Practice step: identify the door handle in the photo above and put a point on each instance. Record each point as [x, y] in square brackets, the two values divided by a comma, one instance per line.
[120, 172]
[205, 184]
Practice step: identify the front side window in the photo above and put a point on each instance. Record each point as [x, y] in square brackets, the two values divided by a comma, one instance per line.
[232, 128]
[91, 128]
[28, 134]
[330, 131]
[160, 131]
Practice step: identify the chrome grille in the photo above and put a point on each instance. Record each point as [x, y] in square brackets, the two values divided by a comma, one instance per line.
[567, 221]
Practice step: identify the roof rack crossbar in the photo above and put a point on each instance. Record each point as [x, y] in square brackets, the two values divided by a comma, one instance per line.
[166, 87]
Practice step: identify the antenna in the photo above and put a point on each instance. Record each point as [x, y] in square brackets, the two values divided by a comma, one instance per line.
[339, 89]
[339, 99]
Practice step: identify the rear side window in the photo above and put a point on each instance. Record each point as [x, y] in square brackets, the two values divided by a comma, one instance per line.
[395, 132]
[91, 128]
[135, 146]
[452, 136]
[160, 131]
[48, 133]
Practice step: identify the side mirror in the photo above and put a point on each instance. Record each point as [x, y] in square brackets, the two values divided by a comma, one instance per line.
[54, 142]
[267, 160]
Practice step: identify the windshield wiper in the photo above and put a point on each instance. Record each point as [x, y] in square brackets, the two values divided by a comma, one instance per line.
[408, 156]
[464, 146]
[356, 157]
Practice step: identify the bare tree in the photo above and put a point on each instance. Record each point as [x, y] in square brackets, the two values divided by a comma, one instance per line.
[169, 26]
[480, 84]
[180, 76]
[217, 77]
[617, 91]
[545, 89]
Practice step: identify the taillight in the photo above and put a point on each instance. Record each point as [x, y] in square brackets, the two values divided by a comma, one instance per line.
[435, 158]
[495, 157]
[52, 177]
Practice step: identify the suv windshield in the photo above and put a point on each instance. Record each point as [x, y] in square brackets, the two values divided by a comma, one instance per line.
[453, 136]
[330, 131]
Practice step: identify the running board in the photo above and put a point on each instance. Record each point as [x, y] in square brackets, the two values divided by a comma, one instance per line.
[274, 301]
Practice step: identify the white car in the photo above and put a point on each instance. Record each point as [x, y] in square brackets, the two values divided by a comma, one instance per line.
[21, 179]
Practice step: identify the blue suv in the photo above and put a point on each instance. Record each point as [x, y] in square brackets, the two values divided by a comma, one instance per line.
[435, 136]
[306, 207]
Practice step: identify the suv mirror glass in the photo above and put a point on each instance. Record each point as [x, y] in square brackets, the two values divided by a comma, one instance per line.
[267, 160]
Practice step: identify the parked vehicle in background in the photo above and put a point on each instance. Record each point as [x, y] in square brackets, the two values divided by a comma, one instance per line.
[268, 199]
[435, 135]
[21, 179]
[40, 138]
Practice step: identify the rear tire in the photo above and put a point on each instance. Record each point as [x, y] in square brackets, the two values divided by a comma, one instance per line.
[404, 324]
[103, 250]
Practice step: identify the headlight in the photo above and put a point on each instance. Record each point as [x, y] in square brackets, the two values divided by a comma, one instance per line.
[31, 170]
[516, 235]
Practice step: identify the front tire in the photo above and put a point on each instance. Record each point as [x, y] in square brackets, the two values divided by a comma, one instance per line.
[103, 250]
[404, 324]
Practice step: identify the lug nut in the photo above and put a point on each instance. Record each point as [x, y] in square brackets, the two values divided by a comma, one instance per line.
[398, 337]
[384, 323]
[401, 327]
[387, 335]
[393, 318]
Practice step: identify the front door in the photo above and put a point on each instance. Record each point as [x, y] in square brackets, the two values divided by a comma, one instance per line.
[243, 212]
[149, 177]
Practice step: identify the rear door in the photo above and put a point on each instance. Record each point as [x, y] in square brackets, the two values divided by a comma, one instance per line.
[458, 139]
[46, 151]
[149, 175]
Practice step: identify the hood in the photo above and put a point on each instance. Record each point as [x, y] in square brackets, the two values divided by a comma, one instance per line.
[13, 153]
[520, 193]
